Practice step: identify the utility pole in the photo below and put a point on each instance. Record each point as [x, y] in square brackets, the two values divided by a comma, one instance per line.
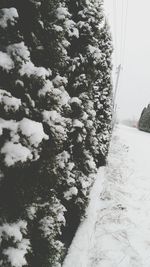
[117, 82]
[115, 94]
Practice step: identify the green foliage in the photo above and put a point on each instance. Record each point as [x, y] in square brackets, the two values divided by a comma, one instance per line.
[144, 121]
[55, 125]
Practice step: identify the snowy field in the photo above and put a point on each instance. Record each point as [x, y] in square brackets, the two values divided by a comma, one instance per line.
[116, 231]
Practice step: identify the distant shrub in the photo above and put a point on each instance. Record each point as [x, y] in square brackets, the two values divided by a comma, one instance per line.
[144, 121]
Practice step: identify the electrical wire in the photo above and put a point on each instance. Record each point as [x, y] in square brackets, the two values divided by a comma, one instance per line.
[125, 32]
[120, 43]
[121, 30]
[115, 29]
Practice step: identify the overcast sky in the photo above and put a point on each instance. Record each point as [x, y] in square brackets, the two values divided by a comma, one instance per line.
[134, 86]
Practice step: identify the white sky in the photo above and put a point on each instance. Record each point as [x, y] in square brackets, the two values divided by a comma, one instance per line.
[134, 86]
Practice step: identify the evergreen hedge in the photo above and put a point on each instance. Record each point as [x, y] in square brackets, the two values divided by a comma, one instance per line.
[55, 123]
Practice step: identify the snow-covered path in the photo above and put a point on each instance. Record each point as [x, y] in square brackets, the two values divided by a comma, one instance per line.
[116, 232]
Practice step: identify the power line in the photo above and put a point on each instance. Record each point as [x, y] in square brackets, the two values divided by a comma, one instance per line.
[115, 28]
[119, 42]
[121, 7]
[125, 31]
[121, 29]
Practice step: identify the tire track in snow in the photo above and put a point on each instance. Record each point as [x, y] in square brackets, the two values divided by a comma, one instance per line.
[116, 232]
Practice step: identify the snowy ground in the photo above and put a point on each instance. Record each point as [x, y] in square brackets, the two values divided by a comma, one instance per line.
[116, 232]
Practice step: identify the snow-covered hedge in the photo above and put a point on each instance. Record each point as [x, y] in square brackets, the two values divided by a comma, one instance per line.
[144, 121]
[55, 117]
